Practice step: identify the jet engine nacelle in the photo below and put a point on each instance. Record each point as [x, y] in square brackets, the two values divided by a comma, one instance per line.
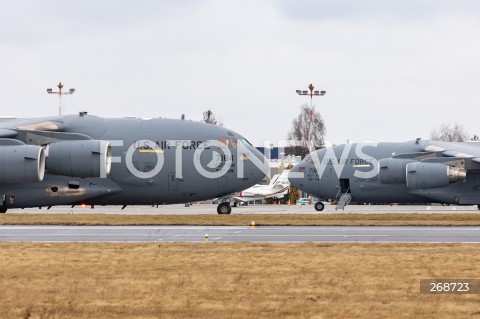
[84, 158]
[393, 170]
[431, 175]
[21, 164]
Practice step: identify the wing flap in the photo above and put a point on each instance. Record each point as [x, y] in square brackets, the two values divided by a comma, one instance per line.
[457, 154]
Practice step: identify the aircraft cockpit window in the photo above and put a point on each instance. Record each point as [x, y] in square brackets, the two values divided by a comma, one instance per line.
[246, 142]
[223, 140]
[229, 142]
[232, 142]
[312, 159]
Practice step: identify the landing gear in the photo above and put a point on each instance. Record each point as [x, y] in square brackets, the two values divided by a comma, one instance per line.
[3, 207]
[478, 206]
[319, 206]
[224, 208]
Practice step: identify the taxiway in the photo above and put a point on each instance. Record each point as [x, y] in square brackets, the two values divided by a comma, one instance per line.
[203, 208]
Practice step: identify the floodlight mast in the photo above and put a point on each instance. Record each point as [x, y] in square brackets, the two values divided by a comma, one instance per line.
[60, 93]
[312, 93]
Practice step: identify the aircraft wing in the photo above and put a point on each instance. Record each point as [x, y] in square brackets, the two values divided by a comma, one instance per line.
[44, 123]
[278, 193]
[38, 131]
[460, 150]
[237, 197]
[468, 153]
[247, 199]
[242, 199]
[449, 153]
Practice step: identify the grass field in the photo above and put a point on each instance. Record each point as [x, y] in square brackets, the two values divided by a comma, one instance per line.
[244, 219]
[78, 280]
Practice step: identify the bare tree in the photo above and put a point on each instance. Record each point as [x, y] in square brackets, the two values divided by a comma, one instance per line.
[447, 133]
[307, 126]
[209, 117]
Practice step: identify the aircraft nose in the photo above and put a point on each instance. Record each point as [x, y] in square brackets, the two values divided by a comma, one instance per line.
[257, 168]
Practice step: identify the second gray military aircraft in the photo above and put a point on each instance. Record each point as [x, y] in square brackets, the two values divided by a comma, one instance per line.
[415, 172]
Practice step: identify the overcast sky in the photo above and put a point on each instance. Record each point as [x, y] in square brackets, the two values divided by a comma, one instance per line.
[393, 70]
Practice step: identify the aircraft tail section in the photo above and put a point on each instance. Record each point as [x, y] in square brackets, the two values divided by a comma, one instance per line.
[282, 180]
[274, 180]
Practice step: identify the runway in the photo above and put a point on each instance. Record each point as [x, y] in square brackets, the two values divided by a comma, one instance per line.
[273, 234]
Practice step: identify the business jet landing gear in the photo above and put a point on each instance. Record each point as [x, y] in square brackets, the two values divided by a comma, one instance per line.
[224, 208]
[319, 206]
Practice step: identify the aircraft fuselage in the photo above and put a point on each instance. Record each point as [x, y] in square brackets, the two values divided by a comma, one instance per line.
[154, 161]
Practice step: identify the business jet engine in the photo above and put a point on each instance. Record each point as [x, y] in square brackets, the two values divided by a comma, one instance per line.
[83, 158]
[21, 163]
[432, 175]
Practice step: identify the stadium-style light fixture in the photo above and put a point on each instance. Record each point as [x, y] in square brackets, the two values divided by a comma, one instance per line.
[312, 94]
[60, 93]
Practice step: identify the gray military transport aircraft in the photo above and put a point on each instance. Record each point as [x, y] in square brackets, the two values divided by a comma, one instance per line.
[416, 172]
[84, 159]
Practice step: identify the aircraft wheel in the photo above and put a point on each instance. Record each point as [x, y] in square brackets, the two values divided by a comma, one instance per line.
[224, 208]
[478, 206]
[3, 209]
[319, 206]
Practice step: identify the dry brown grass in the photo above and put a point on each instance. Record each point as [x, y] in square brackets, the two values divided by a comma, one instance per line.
[236, 220]
[242, 280]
